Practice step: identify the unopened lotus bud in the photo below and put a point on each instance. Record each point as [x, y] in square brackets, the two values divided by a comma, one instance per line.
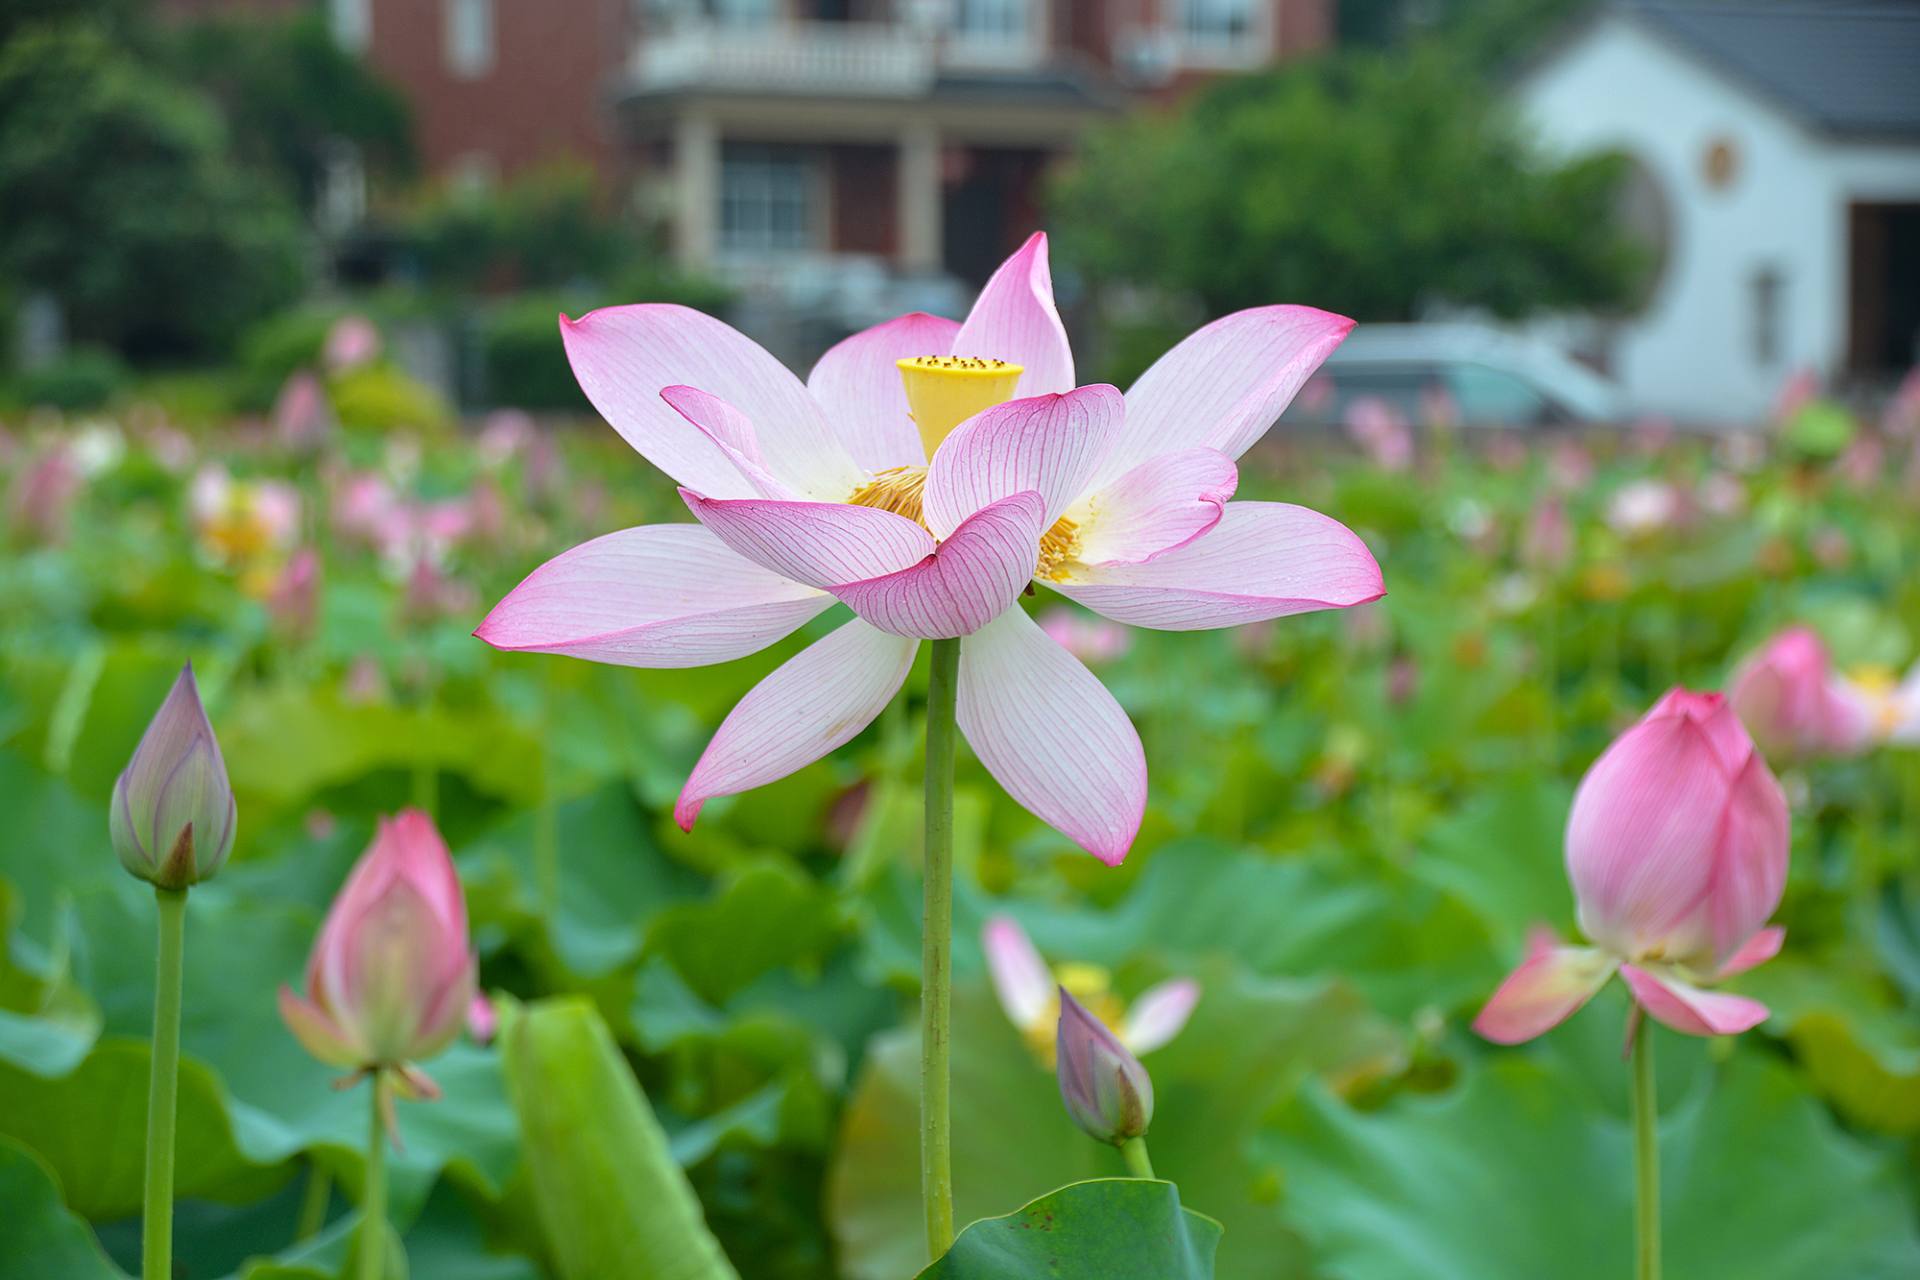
[391, 978]
[1104, 1087]
[173, 815]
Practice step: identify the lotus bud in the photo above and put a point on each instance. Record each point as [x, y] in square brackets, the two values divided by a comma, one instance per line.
[392, 978]
[1105, 1089]
[173, 814]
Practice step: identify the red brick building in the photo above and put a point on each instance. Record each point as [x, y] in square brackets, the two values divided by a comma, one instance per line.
[911, 133]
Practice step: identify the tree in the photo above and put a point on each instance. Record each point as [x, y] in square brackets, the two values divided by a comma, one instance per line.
[1372, 184]
[290, 93]
[122, 201]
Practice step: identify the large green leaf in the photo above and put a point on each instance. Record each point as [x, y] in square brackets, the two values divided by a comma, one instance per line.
[613, 1203]
[44, 1240]
[1106, 1229]
[1857, 1045]
[1249, 1042]
[1522, 1174]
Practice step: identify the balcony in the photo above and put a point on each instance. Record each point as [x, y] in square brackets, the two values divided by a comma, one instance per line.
[845, 59]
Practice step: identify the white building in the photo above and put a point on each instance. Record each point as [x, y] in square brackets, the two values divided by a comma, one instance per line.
[1777, 150]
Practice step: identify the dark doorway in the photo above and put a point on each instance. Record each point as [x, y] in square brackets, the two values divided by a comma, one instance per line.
[990, 207]
[1883, 288]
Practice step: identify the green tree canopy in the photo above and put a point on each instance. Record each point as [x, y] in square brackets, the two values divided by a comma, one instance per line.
[122, 202]
[1370, 183]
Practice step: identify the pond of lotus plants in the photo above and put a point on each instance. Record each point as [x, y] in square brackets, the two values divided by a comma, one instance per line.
[871, 893]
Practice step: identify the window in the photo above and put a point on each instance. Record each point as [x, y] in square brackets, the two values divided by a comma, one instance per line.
[352, 23]
[765, 200]
[469, 37]
[992, 19]
[1216, 21]
[1768, 286]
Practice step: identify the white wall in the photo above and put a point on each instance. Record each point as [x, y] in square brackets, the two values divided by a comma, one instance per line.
[1692, 352]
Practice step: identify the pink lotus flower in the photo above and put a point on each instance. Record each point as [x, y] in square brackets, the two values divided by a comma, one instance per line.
[353, 341]
[1091, 639]
[1103, 1086]
[1029, 992]
[302, 416]
[1677, 850]
[928, 503]
[1794, 703]
[294, 600]
[1642, 508]
[391, 978]
[1382, 431]
[1887, 705]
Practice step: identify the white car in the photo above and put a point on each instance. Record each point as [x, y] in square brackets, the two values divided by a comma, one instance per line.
[1476, 375]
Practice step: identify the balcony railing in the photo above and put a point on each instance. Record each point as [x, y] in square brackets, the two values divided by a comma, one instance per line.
[862, 59]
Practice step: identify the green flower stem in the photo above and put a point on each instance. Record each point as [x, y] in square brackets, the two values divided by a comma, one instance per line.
[313, 1204]
[373, 1198]
[1135, 1151]
[936, 953]
[163, 1087]
[1646, 1158]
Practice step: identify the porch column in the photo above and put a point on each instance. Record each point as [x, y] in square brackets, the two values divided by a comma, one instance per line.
[917, 201]
[696, 188]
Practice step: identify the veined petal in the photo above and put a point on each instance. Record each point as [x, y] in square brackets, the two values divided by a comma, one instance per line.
[1052, 735]
[1750, 867]
[1688, 1009]
[1263, 560]
[625, 356]
[1021, 978]
[817, 700]
[822, 544]
[969, 580]
[1014, 319]
[858, 383]
[1757, 950]
[1225, 383]
[1159, 1014]
[733, 432]
[1159, 506]
[662, 595]
[1050, 444]
[1547, 989]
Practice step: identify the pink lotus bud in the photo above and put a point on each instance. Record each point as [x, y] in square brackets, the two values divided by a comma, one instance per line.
[1794, 704]
[1549, 537]
[302, 417]
[352, 342]
[1677, 850]
[293, 602]
[173, 814]
[1106, 1090]
[391, 978]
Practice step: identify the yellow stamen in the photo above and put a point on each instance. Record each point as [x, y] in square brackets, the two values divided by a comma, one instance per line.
[944, 391]
[1059, 547]
[897, 489]
[1878, 685]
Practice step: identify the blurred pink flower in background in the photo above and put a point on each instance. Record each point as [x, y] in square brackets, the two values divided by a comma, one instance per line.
[1651, 436]
[1379, 428]
[302, 414]
[1547, 543]
[1832, 548]
[505, 435]
[1570, 466]
[1800, 388]
[1403, 681]
[1642, 508]
[353, 341]
[1901, 417]
[1888, 705]
[364, 682]
[1029, 992]
[41, 498]
[392, 974]
[430, 593]
[1862, 463]
[1793, 702]
[294, 601]
[1677, 851]
[1087, 636]
[1506, 452]
[1721, 493]
[240, 522]
[1439, 411]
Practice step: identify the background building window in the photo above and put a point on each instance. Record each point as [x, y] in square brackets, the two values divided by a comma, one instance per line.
[766, 197]
[744, 13]
[1216, 21]
[469, 37]
[352, 23]
[1768, 287]
[992, 19]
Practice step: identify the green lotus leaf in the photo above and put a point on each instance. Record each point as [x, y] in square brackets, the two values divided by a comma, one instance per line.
[1105, 1229]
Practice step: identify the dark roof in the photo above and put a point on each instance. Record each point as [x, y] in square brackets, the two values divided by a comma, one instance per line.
[1848, 67]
